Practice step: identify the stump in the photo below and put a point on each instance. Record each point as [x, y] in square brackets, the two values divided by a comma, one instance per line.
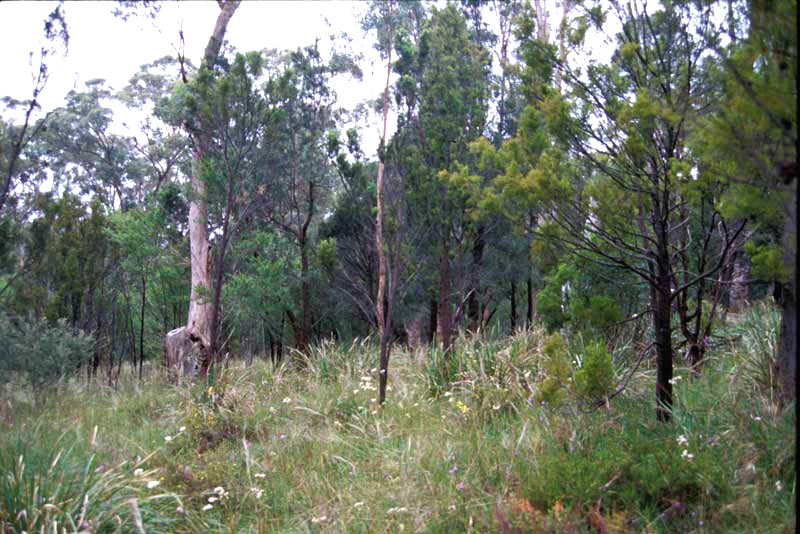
[180, 355]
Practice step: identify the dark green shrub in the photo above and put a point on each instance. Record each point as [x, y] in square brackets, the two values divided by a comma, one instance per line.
[595, 379]
[41, 353]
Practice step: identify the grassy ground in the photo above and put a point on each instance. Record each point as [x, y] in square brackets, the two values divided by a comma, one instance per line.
[465, 449]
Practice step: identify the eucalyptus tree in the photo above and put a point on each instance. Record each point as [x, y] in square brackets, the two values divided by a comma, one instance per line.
[198, 324]
[14, 138]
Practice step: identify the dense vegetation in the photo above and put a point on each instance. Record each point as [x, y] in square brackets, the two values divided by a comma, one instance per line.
[561, 296]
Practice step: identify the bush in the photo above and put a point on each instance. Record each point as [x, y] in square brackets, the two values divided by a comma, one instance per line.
[557, 370]
[41, 353]
[595, 379]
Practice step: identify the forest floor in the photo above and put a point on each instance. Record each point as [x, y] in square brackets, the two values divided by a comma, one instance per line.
[288, 448]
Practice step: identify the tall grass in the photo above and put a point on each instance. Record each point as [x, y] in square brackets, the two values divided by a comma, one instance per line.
[460, 446]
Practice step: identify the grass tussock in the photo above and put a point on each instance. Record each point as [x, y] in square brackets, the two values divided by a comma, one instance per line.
[464, 444]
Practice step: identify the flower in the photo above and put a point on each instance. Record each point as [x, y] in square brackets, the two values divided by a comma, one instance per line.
[219, 490]
[682, 440]
[213, 499]
[152, 484]
[257, 491]
[272, 409]
[779, 485]
[207, 507]
[167, 438]
[320, 519]
[453, 470]
[462, 407]
[460, 486]
[496, 407]
[359, 504]
[260, 475]
[687, 455]
[138, 472]
[286, 400]
[282, 436]
[181, 429]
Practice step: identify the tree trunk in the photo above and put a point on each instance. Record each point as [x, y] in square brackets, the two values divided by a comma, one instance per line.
[383, 300]
[433, 320]
[445, 313]
[662, 323]
[305, 290]
[473, 304]
[513, 306]
[141, 326]
[529, 317]
[786, 364]
[198, 324]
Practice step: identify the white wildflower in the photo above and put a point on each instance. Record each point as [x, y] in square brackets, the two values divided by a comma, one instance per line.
[260, 475]
[257, 491]
[286, 400]
[167, 438]
[779, 485]
[213, 499]
[219, 490]
[359, 504]
[138, 472]
[207, 507]
[682, 440]
[152, 484]
[687, 455]
[182, 429]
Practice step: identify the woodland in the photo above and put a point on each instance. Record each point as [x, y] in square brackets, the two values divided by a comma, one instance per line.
[560, 298]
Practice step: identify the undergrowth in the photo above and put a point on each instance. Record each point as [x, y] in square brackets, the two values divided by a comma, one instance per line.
[465, 443]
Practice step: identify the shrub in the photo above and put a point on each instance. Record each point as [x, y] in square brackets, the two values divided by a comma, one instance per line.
[595, 379]
[556, 368]
[40, 352]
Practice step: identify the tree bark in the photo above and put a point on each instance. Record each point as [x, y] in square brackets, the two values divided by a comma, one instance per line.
[141, 326]
[445, 312]
[199, 322]
[433, 321]
[662, 323]
[786, 364]
[513, 295]
[473, 304]
[529, 316]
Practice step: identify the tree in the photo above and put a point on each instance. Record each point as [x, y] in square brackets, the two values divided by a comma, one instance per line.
[752, 144]
[443, 87]
[619, 137]
[14, 139]
[199, 321]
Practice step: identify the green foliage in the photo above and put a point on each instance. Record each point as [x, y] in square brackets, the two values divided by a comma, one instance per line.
[40, 352]
[552, 388]
[766, 262]
[595, 378]
[596, 313]
[304, 450]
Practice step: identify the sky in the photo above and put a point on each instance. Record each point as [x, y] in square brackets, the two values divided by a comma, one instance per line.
[104, 46]
[107, 47]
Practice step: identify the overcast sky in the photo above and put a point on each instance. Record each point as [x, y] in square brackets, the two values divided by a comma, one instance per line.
[103, 46]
